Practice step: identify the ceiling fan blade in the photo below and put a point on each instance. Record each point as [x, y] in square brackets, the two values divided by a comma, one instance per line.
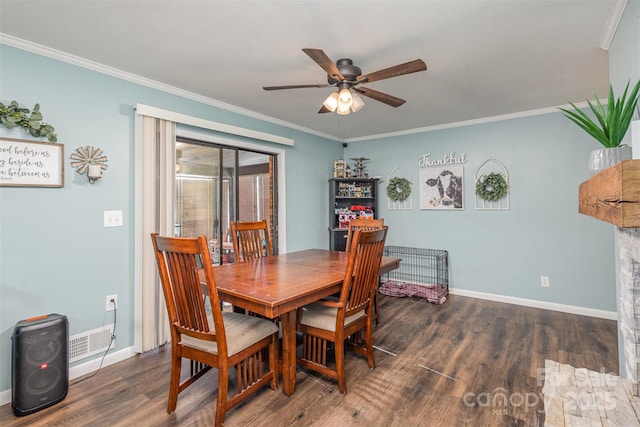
[396, 70]
[380, 96]
[323, 110]
[292, 87]
[325, 62]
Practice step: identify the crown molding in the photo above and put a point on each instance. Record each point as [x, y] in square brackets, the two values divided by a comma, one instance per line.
[483, 120]
[612, 23]
[134, 78]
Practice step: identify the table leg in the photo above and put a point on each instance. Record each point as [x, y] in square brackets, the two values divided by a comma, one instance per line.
[288, 323]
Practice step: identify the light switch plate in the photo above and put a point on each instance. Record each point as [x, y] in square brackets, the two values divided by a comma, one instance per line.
[113, 218]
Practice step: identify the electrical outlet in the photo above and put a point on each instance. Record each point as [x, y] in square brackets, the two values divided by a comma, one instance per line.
[544, 281]
[112, 302]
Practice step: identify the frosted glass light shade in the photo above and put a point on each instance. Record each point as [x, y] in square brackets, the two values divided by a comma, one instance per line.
[343, 109]
[345, 97]
[331, 103]
[357, 103]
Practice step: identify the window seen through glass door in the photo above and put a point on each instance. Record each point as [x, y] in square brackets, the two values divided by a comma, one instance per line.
[216, 185]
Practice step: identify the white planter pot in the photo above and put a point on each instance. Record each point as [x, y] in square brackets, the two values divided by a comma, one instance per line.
[605, 157]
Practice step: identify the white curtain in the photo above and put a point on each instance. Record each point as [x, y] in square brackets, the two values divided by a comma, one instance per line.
[158, 182]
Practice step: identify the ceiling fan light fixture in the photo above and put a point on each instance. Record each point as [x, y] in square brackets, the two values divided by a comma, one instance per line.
[331, 103]
[357, 103]
[344, 75]
[345, 97]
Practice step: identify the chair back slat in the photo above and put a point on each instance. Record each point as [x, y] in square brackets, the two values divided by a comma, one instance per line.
[251, 240]
[187, 290]
[362, 270]
[179, 261]
[362, 224]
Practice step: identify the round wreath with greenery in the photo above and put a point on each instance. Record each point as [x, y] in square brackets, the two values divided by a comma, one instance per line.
[399, 189]
[492, 187]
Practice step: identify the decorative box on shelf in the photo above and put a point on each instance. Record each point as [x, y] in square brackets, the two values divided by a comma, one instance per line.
[613, 195]
[349, 198]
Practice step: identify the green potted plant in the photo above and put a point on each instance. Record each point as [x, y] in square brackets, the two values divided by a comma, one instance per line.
[609, 127]
[13, 115]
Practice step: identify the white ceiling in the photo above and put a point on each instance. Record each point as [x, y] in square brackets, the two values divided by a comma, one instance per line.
[484, 58]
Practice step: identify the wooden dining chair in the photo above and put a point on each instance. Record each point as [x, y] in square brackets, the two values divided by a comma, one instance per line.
[251, 240]
[366, 224]
[332, 321]
[362, 224]
[221, 340]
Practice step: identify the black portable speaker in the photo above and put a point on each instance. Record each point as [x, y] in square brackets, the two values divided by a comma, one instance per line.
[40, 363]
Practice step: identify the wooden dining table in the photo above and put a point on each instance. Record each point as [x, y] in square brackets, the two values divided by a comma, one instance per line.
[276, 286]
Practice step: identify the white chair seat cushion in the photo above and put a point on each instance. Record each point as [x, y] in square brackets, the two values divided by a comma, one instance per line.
[241, 330]
[323, 317]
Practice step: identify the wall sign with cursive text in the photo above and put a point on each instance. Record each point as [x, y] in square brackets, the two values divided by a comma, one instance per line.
[448, 159]
[26, 163]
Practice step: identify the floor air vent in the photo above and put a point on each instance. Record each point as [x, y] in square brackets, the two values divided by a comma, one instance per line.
[91, 342]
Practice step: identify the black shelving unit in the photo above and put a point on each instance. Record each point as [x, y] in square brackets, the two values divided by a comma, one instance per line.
[349, 198]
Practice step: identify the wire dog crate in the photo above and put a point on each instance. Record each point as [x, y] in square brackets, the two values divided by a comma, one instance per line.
[423, 273]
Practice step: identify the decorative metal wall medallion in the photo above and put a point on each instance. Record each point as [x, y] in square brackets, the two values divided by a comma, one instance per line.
[84, 157]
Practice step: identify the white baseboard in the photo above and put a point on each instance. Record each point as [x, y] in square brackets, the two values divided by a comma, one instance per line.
[583, 311]
[84, 368]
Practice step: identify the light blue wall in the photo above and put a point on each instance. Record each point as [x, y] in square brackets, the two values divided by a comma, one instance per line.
[55, 254]
[624, 66]
[506, 252]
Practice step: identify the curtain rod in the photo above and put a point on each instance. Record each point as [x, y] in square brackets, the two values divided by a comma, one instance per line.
[159, 113]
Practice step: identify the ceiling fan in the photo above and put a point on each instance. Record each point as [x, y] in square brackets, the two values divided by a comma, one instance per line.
[346, 77]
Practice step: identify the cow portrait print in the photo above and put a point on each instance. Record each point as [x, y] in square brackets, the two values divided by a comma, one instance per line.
[443, 188]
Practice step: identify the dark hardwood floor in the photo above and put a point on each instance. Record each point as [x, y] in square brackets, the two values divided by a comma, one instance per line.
[436, 365]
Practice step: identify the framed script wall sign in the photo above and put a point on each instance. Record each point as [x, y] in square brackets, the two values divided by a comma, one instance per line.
[26, 163]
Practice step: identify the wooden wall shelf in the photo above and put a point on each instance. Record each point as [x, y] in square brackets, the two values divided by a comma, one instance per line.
[613, 195]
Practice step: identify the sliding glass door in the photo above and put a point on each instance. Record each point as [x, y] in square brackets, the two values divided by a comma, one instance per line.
[216, 185]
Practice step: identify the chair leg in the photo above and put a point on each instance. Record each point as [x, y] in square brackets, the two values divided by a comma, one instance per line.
[376, 305]
[174, 385]
[369, 345]
[342, 379]
[223, 389]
